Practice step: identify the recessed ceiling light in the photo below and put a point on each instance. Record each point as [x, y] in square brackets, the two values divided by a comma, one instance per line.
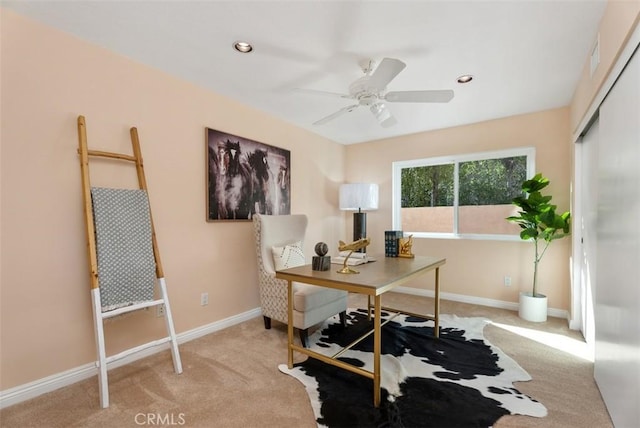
[243, 47]
[465, 78]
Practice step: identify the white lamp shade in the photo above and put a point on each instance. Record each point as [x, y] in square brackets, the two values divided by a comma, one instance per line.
[359, 196]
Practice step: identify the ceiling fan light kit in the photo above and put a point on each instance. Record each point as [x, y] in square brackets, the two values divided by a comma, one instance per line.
[370, 91]
[382, 113]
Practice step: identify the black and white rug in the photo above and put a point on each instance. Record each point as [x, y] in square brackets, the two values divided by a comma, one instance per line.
[459, 380]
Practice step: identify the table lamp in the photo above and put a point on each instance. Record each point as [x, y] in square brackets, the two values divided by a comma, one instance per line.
[359, 197]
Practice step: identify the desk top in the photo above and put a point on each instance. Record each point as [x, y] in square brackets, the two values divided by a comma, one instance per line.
[374, 278]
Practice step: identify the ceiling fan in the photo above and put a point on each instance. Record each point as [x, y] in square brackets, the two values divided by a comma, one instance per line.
[370, 91]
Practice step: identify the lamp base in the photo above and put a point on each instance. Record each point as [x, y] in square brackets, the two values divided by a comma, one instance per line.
[360, 228]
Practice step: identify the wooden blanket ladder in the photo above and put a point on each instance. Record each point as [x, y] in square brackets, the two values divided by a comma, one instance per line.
[96, 250]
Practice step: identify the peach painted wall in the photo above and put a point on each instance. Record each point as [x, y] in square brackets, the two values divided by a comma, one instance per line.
[618, 22]
[477, 268]
[48, 78]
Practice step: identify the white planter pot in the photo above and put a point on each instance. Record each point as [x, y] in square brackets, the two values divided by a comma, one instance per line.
[533, 308]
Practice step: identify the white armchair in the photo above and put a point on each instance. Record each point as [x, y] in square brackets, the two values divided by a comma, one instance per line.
[279, 245]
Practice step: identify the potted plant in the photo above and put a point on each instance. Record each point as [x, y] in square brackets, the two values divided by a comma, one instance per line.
[541, 224]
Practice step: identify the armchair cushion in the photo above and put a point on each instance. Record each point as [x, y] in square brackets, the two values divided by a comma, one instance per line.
[307, 297]
[288, 256]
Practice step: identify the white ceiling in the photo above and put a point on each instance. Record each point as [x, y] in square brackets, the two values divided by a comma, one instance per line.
[525, 55]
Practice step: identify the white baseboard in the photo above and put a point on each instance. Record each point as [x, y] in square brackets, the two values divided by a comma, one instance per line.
[33, 389]
[38, 387]
[492, 303]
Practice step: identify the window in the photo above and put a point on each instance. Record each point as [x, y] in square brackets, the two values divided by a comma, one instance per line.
[465, 196]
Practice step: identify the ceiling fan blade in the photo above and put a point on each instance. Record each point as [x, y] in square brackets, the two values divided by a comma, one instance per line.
[324, 93]
[385, 73]
[442, 96]
[339, 113]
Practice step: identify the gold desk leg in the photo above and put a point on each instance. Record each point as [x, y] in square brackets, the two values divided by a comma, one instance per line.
[368, 307]
[436, 310]
[290, 323]
[377, 341]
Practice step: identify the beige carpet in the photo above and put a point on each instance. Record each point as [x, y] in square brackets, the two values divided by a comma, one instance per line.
[231, 379]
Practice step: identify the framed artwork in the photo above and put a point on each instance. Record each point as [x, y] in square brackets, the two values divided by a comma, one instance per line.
[245, 177]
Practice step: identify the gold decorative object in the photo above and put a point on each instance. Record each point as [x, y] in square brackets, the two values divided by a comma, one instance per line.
[405, 247]
[355, 245]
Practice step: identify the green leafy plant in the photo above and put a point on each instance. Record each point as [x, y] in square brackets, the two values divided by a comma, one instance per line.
[538, 220]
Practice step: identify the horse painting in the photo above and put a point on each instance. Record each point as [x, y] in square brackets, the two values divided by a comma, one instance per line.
[234, 182]
[245, 177]
[261, 182]
[283, 190]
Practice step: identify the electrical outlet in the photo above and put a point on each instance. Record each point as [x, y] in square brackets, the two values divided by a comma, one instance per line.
[160, 310]
[204, 299]
[507, 281]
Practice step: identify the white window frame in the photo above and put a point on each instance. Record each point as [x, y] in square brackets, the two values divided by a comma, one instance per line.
[396, 203]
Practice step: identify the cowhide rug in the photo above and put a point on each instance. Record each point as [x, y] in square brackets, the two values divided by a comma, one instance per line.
[459, 380]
